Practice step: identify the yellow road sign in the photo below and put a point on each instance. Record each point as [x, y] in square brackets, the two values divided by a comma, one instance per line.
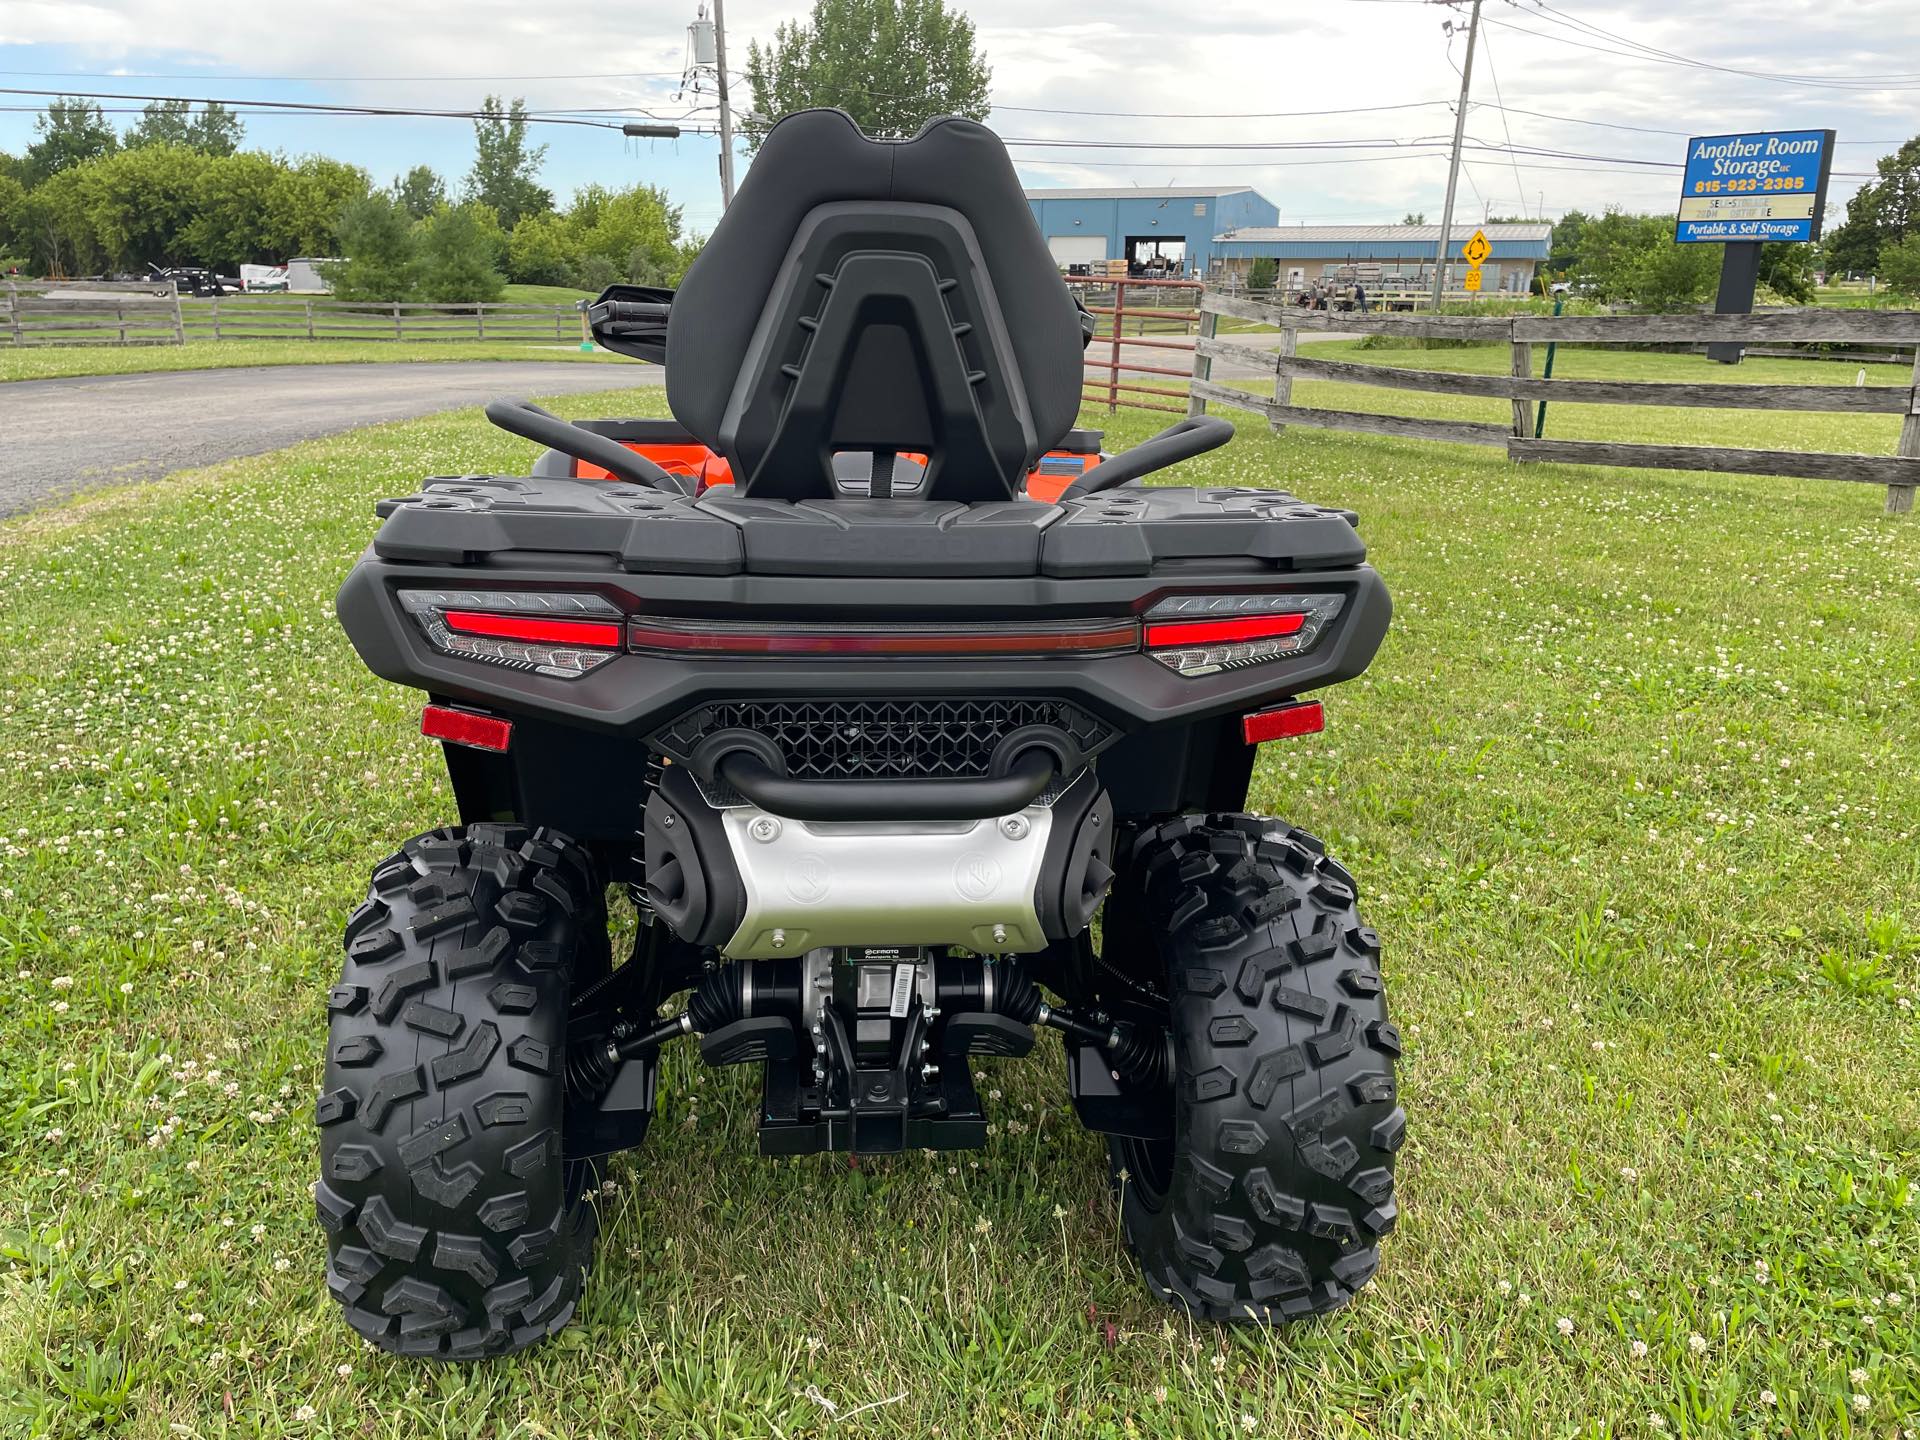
[1472, 282]
[1477, 249]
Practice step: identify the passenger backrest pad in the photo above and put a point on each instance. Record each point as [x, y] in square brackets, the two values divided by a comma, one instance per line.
[880, 297]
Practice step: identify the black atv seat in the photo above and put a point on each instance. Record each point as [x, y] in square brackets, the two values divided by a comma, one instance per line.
[876, 296]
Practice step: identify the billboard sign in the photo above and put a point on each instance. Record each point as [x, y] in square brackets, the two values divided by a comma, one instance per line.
[1770, 186]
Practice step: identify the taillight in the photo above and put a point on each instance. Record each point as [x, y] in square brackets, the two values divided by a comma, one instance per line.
[1205, 634]
[924, 642]
[550, 632]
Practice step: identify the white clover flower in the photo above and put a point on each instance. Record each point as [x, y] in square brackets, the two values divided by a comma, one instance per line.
[1767, 1397]
[1638, 1349]
[1862, 1404]
[1564, 1325]
[62, 982]
[1697, 1343]
[305, 1412]
[1160, 1394]
[1858, 1377]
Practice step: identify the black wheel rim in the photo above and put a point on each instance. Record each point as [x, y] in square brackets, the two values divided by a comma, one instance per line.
[1149, 1166]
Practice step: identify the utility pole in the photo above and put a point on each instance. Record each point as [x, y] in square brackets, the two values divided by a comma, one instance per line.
[1440, 256]
[726, 110]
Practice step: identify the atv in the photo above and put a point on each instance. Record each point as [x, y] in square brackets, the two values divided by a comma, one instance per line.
[909, 724]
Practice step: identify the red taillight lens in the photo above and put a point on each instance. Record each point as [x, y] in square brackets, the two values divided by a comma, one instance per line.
[1207, 634]
[1283, 722]
[1222, 632]
[603, 634]
[896, 642]
[560, 633]
[465, 727]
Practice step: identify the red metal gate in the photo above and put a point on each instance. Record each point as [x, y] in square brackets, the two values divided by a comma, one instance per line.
[1138, 315]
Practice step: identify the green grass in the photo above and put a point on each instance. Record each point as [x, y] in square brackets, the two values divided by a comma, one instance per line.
[55, 362]
[547, 294]
[1630, 791]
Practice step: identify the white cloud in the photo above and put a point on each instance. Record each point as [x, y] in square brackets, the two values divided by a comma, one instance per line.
[1120, 55]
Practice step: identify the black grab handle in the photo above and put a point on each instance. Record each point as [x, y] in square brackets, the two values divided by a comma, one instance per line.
[1193, 436]
[1029, 774]
[543, 427]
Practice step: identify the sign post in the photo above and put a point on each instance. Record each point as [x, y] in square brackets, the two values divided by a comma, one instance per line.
[1742, 191]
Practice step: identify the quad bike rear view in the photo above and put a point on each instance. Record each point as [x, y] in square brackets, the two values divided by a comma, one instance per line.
[910, 723]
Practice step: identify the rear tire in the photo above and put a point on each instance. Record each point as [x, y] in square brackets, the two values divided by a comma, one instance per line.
[455, 1228]
[1268, 1202]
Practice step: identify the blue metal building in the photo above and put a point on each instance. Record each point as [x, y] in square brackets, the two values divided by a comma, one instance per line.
[1175, 224]
[1383, 254]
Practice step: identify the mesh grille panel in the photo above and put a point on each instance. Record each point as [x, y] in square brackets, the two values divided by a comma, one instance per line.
[886, 739]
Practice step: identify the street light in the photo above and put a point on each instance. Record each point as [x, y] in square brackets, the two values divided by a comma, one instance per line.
[651, 132]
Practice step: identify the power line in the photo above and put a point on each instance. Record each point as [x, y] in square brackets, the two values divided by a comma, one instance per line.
[1658, 59]
[1561, 17]
[314, 107]
[335, 79]
[1500, 104]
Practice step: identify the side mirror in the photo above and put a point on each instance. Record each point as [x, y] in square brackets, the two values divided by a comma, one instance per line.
[631, 320]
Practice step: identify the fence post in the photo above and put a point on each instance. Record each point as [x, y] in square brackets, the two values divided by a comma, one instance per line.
[1522, 369]
[480, 321]
[396, 322]
[179, 325]
[1282, 379]
[1119, 319]
[1900, 497]
[13, 312]
[309, 308]
[1202, 364]
[216, 317]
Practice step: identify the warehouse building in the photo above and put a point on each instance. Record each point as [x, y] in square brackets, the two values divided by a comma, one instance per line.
[1383, 258]
[1161, 231]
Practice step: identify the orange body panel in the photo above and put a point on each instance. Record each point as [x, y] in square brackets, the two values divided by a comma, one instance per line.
[1056, 471]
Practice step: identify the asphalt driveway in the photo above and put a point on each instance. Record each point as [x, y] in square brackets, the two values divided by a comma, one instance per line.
[62, 436]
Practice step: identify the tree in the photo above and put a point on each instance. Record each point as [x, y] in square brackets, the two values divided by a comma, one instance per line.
[216, 130]
[458, 246]
[1900, 266]
[1634, 259]
[139, 204]
[70, 131]
[541, 252]
[1262, 273]
[1884, 212]
[1414, 217]
[15, 237]
[890, 64]
[381, 252]
[307, 201]
[1787, 270]
[635, 231]
[419, 192]
[505, 167]
[1569, 234]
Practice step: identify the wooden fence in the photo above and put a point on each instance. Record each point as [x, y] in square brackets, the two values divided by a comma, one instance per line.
[1899, 472]
[110, 313]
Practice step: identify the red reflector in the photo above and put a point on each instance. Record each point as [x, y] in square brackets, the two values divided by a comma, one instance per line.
[1283, 722]
[1223, 632]
[604, 634]
[464, 727]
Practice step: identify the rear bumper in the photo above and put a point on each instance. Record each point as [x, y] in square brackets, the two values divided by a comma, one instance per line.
[635, 695]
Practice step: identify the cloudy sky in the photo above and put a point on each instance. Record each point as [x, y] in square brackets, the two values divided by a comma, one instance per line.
[1125, 92]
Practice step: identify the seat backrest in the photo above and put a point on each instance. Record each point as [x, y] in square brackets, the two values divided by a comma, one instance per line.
[876, 296]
